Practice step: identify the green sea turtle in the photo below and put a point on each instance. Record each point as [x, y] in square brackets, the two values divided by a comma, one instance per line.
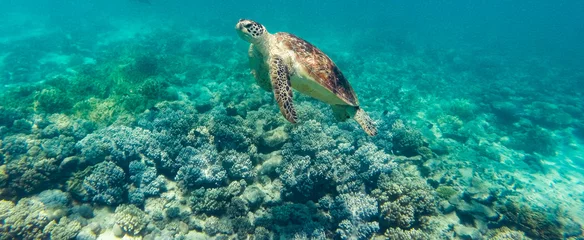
[282, 61]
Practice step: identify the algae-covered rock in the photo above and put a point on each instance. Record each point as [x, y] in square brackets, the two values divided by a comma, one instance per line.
[536, 224]
[52, 100]
[446, 192]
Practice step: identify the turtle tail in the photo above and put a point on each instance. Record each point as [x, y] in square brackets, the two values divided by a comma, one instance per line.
[365, 121]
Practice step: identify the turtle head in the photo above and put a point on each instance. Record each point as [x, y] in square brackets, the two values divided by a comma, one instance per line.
[250, 31]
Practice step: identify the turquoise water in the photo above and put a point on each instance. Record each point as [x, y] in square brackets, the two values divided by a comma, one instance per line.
[141, 119]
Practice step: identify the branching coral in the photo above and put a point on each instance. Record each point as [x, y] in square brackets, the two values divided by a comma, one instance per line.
[230, 133]
[238, 165]
[411, 234]
[404, 199]
[28, 219]
[356, 214]
[64, 229]
[170, 124]
[105, 184]
[119, 144]
[146, 182]
[200, 168]
[302, 176]
[214, 226]
[9, 115]
[406, 140]
[210, 201]
[29, 174]
[130, 219]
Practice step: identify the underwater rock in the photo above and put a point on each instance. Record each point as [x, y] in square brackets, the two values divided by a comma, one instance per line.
[85, 234]
[446, 207]
[254, 196]
[506, 111]
[467, 232]
[534, 162]
[477, 210]
[214, 226]
[274, 139]
[54, 198]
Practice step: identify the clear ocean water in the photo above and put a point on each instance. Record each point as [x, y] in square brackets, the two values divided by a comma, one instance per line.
[141, 119]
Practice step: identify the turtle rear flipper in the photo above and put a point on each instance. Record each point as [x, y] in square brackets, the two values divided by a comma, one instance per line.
[280, 78]
[365, 121]
[340, 113]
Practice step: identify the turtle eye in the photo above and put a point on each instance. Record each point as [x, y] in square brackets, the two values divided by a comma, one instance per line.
[247, 25]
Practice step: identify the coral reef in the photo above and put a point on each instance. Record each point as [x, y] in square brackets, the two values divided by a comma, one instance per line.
[356, 214]
[119, 144]
[105, 184]
[535, 224]
[31, 219]
[145, 182]
[130, 219]
[404, 199]
[406, 140]
[158, 131]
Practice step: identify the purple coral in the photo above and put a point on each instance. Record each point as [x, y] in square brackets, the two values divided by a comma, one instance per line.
[120, 144]
[105, 184]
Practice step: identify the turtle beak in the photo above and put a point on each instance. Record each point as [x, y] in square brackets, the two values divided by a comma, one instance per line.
[239, 24]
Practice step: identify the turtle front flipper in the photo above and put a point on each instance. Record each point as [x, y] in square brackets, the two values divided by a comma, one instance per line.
[280, 77]
[365, 121]
[259, 68]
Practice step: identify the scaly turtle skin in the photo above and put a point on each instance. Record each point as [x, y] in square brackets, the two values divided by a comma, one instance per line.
[282, 61]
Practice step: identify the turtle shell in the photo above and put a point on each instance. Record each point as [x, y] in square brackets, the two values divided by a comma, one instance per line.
[319, 66]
